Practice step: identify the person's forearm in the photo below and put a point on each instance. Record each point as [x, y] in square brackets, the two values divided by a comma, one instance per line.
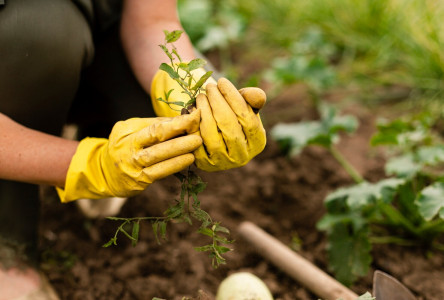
[31, 156]
[143, 23]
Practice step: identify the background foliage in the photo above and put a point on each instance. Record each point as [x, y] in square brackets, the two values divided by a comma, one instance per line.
[369, 51]
[363, 46]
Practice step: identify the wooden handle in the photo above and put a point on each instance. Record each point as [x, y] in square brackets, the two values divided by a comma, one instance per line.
[299, 268]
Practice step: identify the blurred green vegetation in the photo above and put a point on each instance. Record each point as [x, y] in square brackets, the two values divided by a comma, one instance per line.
[366, 46]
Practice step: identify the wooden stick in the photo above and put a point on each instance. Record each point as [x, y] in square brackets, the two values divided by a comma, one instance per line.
[299, 268]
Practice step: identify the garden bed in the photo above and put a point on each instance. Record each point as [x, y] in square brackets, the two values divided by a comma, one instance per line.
[284, 196]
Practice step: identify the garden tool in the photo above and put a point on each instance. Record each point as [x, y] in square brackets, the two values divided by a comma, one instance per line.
[302, 270]
[386, 287]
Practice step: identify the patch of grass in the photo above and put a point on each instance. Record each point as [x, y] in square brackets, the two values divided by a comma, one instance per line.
[379, 43]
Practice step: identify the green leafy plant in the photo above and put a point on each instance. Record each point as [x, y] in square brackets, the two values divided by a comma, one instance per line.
[406, 208]
[180, 71]
[217, 26]
[187, 208]
[325, 132]
[308, 61]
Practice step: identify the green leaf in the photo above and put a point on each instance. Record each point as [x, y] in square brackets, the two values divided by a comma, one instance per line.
[206, 231]
[112, 241]
[175, 211]
[297, 136]
[431, 201]
[171, 37]
[219, 228]
[135, 233]
[406, 197]
[222, 249]
[311, 70]
[431, 155]
[178, 103]
[166, 51]
[184, 66]
[174, 51]
[333, 123]
[190, 102]
[366, 296]
[202, 80]
[167, 68]
[159, 229]
[388, 132]
[405, 134]
[221, 239]
[127, 234]
[162, 229]
[167, 94]
[204, 248]
[202, 216]
[196, 64]
[329, 221]
[365, 193]
[349, 253]
[199, 187]
[402, 166]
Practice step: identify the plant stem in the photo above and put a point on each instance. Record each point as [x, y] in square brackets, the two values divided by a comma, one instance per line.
[346, 164]
[391, 240]
[432, 226]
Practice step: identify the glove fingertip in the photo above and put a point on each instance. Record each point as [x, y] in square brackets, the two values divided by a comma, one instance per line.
[256, 97]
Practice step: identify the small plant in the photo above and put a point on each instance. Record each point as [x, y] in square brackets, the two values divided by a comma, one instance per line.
[307, 62]
[187, 207]
[181, 72]
[406, 208]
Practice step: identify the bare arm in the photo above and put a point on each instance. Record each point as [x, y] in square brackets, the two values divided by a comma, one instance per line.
[142, 28]
[31, 156]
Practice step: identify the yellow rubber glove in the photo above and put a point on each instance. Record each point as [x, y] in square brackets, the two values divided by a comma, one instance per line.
[163, 83]
[138, 152]
[231, 130]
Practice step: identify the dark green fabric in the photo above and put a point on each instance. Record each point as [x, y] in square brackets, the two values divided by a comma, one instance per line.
[101, 14]
[44, 45]
[108, 90]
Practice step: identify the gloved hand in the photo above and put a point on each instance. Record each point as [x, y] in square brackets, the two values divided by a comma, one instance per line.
[163, 83]
[231, 129]
[138, 152]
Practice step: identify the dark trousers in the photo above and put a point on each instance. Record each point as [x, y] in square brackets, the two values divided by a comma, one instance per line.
[55, 69]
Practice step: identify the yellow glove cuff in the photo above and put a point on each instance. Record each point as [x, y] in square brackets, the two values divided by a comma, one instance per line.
[85, 178]
[161, 84]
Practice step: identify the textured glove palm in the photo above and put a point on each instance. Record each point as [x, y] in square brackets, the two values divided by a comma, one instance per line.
[138, 152]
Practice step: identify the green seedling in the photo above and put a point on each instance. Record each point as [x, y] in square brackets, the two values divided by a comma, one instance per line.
[187, 208]
[180, 71]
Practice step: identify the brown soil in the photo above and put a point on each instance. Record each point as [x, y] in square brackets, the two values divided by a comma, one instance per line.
[283, 196]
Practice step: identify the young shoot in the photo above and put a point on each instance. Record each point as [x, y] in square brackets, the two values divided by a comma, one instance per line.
[187, 207]
[181, 72]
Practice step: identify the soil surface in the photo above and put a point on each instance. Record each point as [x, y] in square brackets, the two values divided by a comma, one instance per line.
[284, 196]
